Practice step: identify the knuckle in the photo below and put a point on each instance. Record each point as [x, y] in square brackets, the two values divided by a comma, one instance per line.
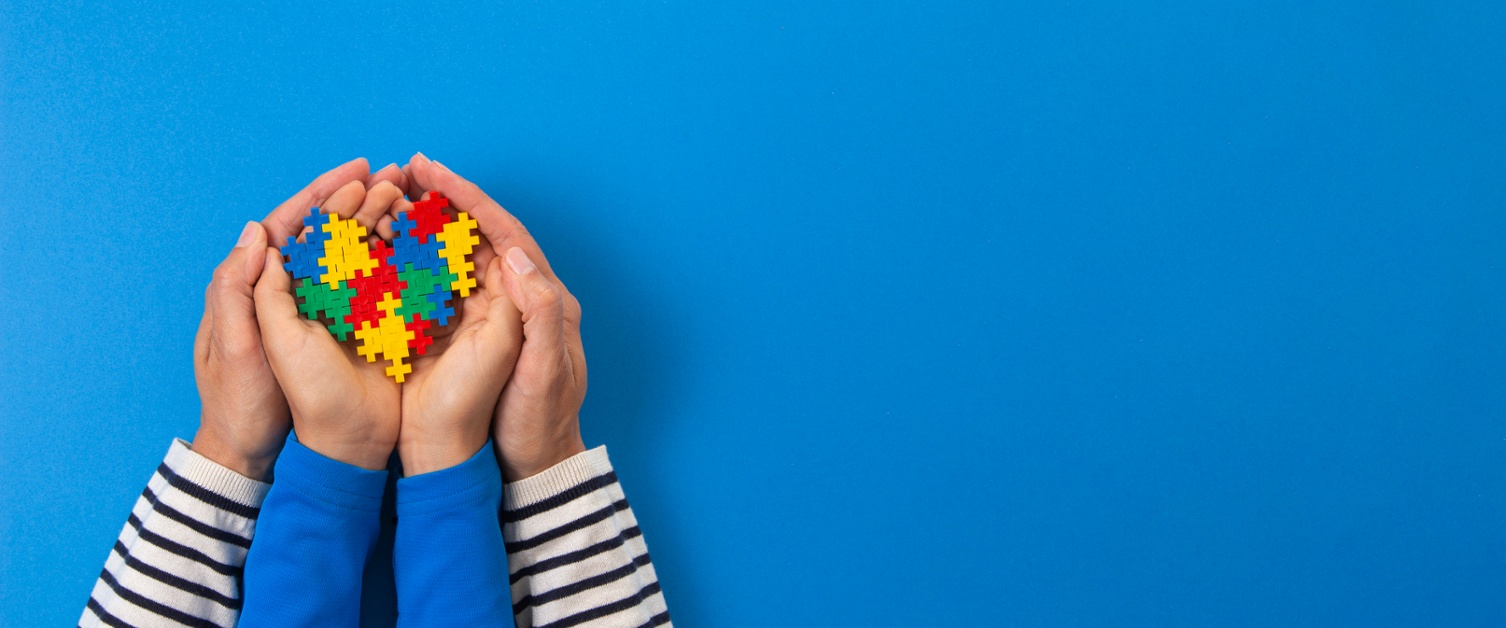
[219, 287]
[236, 347]
[546, 296]
[223, 278]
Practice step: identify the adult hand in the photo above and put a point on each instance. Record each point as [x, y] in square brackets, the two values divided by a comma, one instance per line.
[537, 419]
[451, 395]
[244, 417]
[343, 406]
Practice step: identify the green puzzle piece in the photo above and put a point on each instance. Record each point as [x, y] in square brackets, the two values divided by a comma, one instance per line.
[321, 298]
[421, 283]
[341, 329]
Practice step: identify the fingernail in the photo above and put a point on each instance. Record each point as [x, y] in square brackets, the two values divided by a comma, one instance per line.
[441, 166]
[247, 235]
[421, 156]
[519, 262]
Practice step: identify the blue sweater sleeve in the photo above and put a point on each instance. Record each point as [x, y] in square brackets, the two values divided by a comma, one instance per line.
[449, 558]
[318, 525]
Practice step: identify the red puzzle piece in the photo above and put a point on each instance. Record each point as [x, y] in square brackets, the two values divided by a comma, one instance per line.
[427, 216]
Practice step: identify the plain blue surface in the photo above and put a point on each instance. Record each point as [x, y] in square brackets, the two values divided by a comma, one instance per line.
[940, 313]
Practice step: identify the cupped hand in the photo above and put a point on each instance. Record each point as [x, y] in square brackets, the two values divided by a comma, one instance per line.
[451, 395]
[244, 417]
[342, 406]
[537, 419]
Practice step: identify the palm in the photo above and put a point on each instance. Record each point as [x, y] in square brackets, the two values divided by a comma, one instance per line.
[450, 358]
[455, 384]
[343, 383]
[536, 418]
[343, 406]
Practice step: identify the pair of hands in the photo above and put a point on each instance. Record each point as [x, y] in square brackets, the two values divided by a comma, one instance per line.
[512, 365]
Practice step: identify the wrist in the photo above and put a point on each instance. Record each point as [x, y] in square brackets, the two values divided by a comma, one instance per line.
[371, 456]
[424, 454]
[254, 466]
[526, 463]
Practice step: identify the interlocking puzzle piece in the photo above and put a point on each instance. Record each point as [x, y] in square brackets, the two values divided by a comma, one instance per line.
[421, 283]
[441, 313]
[421, 340]
[303, 257]
[369, 291]
[316, 223]
[341, 327]
[427, 217]
[346, 251]
[323, 297]
[387, 296]
[389, 339]
[459, 238]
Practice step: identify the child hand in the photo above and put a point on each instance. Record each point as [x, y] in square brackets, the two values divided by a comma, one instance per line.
[343, 406]
[537, 421]
[449, 398]
[244, 417]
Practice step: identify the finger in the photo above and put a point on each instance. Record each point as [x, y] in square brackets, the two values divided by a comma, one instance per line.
[504, 324]
[346, 200]
[543, 359]
[229, 308]
[501, 229]
[287, 219]
[276, 310]
[384, 222]
[412, 189]
[378, 199]
[391, 173]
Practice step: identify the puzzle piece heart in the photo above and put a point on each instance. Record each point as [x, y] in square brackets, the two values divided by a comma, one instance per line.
[388, 297]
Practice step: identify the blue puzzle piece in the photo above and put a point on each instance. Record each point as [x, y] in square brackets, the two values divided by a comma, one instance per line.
[301, 262]
[428, 256]
[405, 247]
[303, 257]
[403, 225]
[441, 313]
[314, 219]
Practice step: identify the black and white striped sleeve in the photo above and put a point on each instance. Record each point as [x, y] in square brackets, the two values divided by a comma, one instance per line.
[574, 551]
[178, 559]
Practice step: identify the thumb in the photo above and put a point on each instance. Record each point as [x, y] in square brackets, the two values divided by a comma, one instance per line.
[231, 289]
[543, 308]
[503, 324]
[276, 310]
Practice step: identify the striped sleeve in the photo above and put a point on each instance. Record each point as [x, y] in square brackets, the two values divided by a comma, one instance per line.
[574, 551]
[178, 559]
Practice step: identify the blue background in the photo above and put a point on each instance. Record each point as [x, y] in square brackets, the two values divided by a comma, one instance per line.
[896, 314]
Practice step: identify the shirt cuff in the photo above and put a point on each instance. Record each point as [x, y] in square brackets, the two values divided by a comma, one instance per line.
[188, 464]
[475, 482]
[571, 473]
[329, 480]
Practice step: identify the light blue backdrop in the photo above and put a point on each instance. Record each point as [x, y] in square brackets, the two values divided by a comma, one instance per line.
[942, 313]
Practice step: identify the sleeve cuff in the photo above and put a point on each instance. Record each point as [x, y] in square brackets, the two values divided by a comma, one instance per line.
[188, 464]
[329, 480]
[477, 481]
[569, 473]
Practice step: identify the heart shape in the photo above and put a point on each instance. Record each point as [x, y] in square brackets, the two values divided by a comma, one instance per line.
[388, 297]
